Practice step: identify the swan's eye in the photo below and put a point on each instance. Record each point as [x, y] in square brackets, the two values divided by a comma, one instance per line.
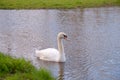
[65, 36]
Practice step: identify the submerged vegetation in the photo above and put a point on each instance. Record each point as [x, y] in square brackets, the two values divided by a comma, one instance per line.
[38, 4]
[19, 69]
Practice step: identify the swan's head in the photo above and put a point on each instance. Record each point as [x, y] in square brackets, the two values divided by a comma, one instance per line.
[62, 35]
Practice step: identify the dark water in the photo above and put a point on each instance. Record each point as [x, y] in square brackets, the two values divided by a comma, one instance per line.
[93, 52]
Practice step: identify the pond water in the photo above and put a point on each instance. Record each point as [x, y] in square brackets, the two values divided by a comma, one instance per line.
[93, 52]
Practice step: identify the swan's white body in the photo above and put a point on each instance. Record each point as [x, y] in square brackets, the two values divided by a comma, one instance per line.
[52, 54]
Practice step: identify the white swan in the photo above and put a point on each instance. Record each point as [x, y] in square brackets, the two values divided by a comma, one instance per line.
[52, 54]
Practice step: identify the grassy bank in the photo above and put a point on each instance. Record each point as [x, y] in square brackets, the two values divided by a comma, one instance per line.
[38, 4]
[19, 69]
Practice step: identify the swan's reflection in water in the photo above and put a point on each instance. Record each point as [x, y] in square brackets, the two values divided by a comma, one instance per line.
[61, 71]
[57, 69]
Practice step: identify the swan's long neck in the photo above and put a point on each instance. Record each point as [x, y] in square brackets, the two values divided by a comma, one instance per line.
[60, 46]
[61, 49]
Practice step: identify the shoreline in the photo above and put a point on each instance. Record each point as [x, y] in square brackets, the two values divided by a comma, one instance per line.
[60, 4]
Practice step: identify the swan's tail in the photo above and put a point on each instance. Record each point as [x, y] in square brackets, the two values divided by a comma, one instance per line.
[37, 53]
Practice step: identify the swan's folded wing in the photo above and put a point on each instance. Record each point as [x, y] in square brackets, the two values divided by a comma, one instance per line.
[50, 54]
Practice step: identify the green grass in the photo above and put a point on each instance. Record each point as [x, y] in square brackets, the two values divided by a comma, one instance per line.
[42, 4]
[19, 69]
